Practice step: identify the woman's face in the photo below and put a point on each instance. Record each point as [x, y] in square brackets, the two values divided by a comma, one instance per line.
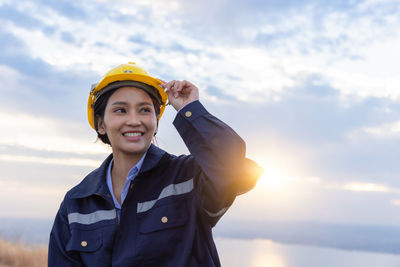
[129, 121]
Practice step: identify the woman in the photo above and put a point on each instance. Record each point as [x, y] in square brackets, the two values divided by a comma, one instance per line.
[144, 206]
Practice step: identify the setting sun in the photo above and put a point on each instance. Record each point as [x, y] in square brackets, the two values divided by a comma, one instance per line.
[274, 178]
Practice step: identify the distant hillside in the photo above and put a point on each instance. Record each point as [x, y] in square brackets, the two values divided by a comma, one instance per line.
[20, 255]
[28, 230]
[383, 239]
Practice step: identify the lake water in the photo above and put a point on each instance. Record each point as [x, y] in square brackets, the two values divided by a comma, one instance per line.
[265, 253]
[234, 252]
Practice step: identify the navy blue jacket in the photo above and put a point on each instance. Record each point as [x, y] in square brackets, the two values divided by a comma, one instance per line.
[170, 209]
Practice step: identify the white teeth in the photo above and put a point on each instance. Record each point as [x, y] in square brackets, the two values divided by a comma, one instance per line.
[132, 134]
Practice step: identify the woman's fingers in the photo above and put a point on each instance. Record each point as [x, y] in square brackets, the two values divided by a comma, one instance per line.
[175, 88]
[179, 89]
[168, 85]
[180, 93]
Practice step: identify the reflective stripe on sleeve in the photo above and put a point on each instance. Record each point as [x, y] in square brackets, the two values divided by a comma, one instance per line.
[94, 217]
[217, 214]
[170, 190]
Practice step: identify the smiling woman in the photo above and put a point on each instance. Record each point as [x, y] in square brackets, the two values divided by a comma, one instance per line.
[144, 206]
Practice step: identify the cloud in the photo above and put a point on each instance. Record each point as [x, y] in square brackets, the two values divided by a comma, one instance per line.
[383, 131]
[389, 6]
[10, 78]
[317, 201]
[47, 161]
[352, 49]
[41, 173]
[317, 135]
[45, 133]
[366, 187]
[35, 200]
[396, 202]
[330, 46]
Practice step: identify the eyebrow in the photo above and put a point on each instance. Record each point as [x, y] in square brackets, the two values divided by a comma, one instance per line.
[126, 103]
[119, 103]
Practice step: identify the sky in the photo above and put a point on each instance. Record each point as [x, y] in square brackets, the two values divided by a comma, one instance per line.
[312, 86]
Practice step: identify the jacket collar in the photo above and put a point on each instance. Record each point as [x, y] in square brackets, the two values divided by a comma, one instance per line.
[154, 155]
[95, 182]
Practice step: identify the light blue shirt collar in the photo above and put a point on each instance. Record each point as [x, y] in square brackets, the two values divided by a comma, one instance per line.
[131, 176]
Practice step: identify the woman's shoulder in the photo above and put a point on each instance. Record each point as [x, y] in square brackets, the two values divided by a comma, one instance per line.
[92, 183]
[156, 156]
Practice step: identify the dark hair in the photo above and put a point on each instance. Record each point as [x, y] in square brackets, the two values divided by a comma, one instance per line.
[100, 107]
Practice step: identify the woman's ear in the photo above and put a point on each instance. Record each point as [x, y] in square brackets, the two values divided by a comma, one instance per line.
[155, 132]
[101, 129]
[158, 120]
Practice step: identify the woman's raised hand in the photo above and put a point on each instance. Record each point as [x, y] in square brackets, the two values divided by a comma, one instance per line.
[180, 93]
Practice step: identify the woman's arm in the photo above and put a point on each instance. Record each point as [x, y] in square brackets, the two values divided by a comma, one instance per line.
[217, 149]
[59, 236]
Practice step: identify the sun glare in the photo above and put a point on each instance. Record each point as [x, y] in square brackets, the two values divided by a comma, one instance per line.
[267, 254]
[268, 260]
[274, 178]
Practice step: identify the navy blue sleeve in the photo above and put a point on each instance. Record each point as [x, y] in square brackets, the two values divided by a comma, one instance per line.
[59, 236]
[220, 154]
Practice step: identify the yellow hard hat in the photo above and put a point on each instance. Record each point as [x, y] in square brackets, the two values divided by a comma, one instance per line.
[125, 72]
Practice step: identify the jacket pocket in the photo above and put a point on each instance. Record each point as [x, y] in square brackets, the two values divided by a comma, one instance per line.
[162, 230]
[85, 240]
[163, 217]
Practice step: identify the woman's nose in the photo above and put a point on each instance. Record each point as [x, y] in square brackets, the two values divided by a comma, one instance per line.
[133, 119]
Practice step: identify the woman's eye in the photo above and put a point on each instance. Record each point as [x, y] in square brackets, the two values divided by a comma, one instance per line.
[145, 110]
[120, 110]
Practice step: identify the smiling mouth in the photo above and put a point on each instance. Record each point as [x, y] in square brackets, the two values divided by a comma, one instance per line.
[132, 134]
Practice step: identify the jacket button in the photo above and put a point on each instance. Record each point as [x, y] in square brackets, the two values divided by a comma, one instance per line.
[83, 243]
[164, 219]
[188, 114]
[131, 186]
